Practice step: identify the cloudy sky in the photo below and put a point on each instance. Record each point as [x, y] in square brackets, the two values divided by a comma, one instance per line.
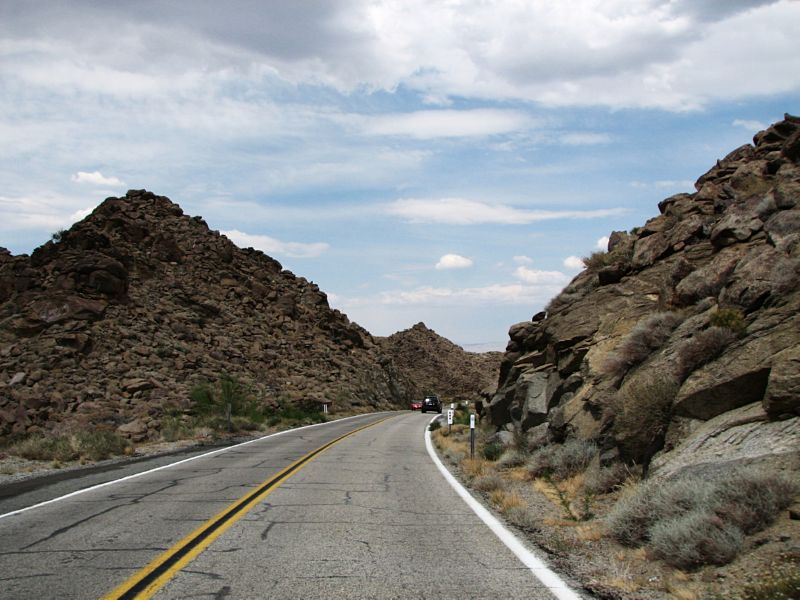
[440, 161]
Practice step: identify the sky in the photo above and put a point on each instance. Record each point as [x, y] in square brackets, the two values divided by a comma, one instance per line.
[446, 161]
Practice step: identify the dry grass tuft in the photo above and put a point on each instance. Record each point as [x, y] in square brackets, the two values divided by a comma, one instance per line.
[505, 500]
[474, 467]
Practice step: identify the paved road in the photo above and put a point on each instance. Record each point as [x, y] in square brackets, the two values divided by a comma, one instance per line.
[370, 517]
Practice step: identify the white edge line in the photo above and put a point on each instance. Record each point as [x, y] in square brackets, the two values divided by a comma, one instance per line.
[551, 581]
[180, 462]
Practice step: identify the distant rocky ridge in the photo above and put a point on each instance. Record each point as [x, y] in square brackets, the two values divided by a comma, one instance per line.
[681, 345]
[112, 322]
[434, 365]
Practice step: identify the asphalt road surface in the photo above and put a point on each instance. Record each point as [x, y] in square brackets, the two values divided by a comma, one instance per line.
[367, 517]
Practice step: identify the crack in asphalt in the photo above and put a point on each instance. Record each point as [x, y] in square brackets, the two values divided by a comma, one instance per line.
[266, 531]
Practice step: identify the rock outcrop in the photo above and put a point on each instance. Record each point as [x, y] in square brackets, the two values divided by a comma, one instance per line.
[112, 322]
[682, 340]
[435, 365]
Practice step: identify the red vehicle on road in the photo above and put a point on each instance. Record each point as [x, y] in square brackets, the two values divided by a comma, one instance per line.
[416, 405]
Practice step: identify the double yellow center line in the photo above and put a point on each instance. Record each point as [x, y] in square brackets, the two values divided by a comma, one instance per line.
[151, 578]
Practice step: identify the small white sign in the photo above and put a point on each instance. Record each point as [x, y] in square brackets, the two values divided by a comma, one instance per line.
[472, 421]
[450, 417]
[452, 405]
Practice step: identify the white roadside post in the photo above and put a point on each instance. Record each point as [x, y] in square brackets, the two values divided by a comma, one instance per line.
[449, 420]
[472, 436]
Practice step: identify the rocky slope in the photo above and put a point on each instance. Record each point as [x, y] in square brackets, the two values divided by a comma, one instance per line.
[112, 324]
[681, 344]
[435, 365]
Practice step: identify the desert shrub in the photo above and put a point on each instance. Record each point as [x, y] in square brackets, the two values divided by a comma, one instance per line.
[602, 480]
[560, 461]
[461, 417]
[523, 517]
[729, 318]
[488, 483]
[648, 335]
[39, 447]
[173, 428]
[94, 444]
[434, 425]
[700, 518]
[694, 539]
[642, 410]
[511, 458]
[59, 235]
[598, 260]
[99, 444]
[492, 451]
[702, 348]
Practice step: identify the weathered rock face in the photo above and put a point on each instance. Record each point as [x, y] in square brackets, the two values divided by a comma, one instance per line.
[435, 365]
[725, 263]
[114, 323]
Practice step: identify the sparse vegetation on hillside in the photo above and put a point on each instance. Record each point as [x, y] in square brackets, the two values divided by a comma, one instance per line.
[702, 348]
[641, 411]
[729, 318]
[648, 335]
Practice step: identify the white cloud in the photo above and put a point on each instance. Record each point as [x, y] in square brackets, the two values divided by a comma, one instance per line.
[753, 126]
[673, 55]
[664, 184]
[505, 293]
[602, 243]
[271, 245]
[523, 260]
[574, 262]
[538, 277]
[585, 139]
[458, 211]
[96, 178]
[45, 212]
[429, 124]
[453, 261]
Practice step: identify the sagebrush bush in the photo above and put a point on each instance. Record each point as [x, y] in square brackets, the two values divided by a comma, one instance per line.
[602, 480]
[524, 518]
[701, 348]
[434, 425]
[641, 411]
[560, 461]
[647, 336]
[597, 260]
[488, 483]
[511, 458]
[694, 539]
[729, 318]
[700, 518]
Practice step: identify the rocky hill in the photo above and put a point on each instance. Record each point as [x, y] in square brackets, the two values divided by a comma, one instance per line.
[435, 365]
[680, 345]
[112, 322]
